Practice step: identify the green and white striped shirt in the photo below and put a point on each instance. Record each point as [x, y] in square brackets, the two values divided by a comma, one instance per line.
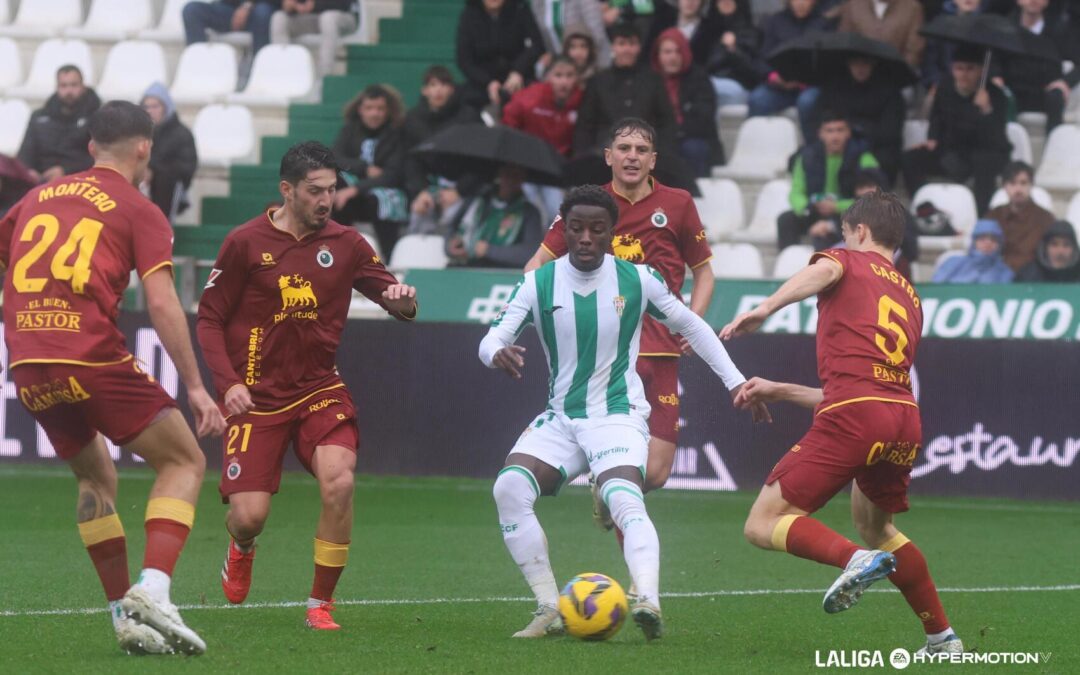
[590, 326]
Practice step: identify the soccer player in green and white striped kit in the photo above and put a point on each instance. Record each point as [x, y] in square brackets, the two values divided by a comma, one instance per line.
[588, 307]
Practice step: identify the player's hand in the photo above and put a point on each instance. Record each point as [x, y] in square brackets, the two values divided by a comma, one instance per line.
[238, 400]
[423, 203]
[510, 359]
[208, 419]
[52, 173]
[747, 322]
[684, 346]
[745, 397]
[480, 248]
[400, 299]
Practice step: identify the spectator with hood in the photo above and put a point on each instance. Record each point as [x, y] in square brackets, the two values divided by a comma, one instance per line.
[1058, 257]
[57, 137]
[693, 100]
[982, 264]
[498, 43]
[580, 47]
[174, 159]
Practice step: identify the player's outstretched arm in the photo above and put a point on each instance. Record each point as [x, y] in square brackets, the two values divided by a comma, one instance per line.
[759, 390]
[497, 349]
[811, 280]
[168, 319]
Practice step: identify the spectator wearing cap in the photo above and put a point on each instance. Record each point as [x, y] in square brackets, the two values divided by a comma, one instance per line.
[57, 138]
[982, 264]
[1057, 259]
[1022, 221]
[331, 19]
[498, 43]
[224, 16]
[894, 22]
[174, 159]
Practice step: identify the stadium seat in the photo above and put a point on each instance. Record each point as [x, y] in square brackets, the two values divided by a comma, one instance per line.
[1060, 166]
[956, 201]
[206, 74]
[943, 257]
[131, 67]
[720, 207]
[1038, 195]
[374, 241]
[419, 251]
[50, 55]
[1021, 142]
[736, 261]
[224, 134]
[171, 26]
[915, 132]
[113, 20]
[280, 73]
[14, 115]
[5, 12]
[44, 18]
[771, 202]
[12, 72]
[791, 260]
[761, 150]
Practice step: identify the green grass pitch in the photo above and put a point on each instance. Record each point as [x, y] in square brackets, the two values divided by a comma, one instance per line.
[419, 544]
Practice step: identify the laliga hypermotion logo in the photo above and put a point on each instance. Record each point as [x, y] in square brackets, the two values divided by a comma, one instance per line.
[296, 292]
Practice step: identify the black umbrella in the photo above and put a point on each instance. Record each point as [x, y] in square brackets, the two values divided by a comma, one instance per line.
[479, 149]
[991, 32]
[817, 57]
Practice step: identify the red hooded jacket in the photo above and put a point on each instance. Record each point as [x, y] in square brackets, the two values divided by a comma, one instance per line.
[671, 82]
[534, 111]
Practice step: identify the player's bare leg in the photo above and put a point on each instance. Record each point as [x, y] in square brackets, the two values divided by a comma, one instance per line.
[912, 576]
[521, 482]
[334, 467]
[244, 521]
[169, 447]
[661, 459]
[103, 535]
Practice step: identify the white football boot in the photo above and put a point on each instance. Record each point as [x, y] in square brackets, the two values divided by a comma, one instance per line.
[864, 568]
[950, 645]
[546, 621]
[647, 616]
[164, 618]
[135, 638]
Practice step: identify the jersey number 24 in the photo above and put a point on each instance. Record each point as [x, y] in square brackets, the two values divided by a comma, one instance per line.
[83, 239]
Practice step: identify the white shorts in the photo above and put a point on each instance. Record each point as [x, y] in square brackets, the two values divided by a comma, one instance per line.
[574, 446]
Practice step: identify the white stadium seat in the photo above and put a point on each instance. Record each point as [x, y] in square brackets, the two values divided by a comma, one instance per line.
[736, 261]
[761, 150]
[1021, 142]
[5, 12]
[131, 67]
[171, 26]
[11, 73]
[280, 73]
[224, 134]
[791, 260]
[1038, 195]
[419, 251]
[113, 20]
[1060, 166]
[206, 74]
[50, 55]
[44, 18]
[771, 202]
[954, 200]
[14, 116]
[720, 207]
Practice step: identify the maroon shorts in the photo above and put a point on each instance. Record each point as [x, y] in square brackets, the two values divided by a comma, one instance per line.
[255, 443]
[660, 377]
[873, 443]
[73, 403]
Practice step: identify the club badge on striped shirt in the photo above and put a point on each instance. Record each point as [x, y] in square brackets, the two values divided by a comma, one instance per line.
[620, 305]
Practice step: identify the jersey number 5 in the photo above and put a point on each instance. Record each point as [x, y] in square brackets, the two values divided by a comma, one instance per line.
[83, 239]
[886, 308]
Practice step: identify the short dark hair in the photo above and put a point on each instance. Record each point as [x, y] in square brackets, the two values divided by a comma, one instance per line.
[302, 158]
[629, 125]
[69, 68]
[440, 73]
[589, 195]
[118, 121]
[563, 59]
[826, 116]
[624, 29]
[883, 213]
[1014, 169]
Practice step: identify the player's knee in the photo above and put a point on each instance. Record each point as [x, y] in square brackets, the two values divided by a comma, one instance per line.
[246, 522]
[338, 490]
[512, 490]
[657, 477]
[757, 532]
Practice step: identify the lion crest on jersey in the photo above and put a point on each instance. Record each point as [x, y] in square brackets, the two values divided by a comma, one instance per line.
[627, 247]
[295, 292]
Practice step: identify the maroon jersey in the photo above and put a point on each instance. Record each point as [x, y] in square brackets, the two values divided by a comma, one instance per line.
[69, 248]
[662, 230]
[272, 312]
[869, 324]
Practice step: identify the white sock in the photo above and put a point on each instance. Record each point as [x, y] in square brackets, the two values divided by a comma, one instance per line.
[515, 493]
[156, 583]
[312, 603]
[641, 545]
[117, 613]
[934, 638]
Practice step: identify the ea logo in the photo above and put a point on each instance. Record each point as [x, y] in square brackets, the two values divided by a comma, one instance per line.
[324, 257]
[659, 218]
[233, 472]
[900, 658]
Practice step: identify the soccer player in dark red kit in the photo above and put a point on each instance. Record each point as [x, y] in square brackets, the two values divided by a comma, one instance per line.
[658, 226]
[269, 324]
[69, 248]
[866, 431]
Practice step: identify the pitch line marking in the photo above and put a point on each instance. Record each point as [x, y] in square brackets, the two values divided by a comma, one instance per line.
[77, 611]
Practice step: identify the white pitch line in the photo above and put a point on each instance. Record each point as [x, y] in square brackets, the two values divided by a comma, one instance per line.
[75, 611]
